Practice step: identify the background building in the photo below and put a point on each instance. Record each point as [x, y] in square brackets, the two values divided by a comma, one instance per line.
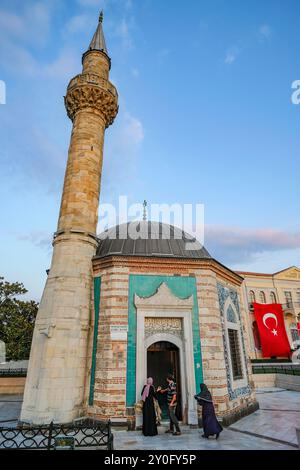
[282, 287]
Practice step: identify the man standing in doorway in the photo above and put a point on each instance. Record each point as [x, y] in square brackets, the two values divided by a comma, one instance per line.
[172, 403]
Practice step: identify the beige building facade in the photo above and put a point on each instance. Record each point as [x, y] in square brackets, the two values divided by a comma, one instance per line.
[282, 287]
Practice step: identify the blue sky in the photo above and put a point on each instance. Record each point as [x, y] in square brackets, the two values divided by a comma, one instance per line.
[205, 117]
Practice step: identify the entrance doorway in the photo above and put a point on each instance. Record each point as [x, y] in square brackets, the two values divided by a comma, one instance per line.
[163, 358]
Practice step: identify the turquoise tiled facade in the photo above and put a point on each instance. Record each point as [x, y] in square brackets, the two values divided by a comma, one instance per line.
[97, 288]
[146, 286]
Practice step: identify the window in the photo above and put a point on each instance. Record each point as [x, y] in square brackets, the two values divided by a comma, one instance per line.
[256, 335]
[236, 363]
[294, 332]
[262, 297]
[252, 296]
[288, 298]
[273, 297]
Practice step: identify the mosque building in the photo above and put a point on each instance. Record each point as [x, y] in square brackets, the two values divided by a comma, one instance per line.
[116, 310]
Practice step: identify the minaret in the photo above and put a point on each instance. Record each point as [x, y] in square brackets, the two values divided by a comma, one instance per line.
[57, 367]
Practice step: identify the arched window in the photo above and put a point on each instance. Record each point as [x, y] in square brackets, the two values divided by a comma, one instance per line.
[252, 296]
[256, 335]
[273, 297]
[262, 297]
[234, 343]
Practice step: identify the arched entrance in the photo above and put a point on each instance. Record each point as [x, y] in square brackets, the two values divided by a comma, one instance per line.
[163, 358]
[168, 320]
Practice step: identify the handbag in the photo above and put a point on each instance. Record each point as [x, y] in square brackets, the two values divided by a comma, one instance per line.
[139, 406]
[157, 411]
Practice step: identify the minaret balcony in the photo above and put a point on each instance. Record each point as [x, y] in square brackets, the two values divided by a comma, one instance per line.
[92, 79]
[88, 90]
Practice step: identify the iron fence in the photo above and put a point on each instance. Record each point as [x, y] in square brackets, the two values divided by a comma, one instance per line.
[85, 434]
[13, 372]
[276, 369]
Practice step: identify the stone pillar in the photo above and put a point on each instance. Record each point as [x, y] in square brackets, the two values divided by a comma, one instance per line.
[57, 368]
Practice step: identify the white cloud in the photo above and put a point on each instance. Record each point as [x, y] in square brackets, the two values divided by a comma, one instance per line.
[135, 72]
[265, 31]
[122, 30]
[122, 153]
[236, 245]
[163, 52]
[12, 24]
[132, 130]
[40, 239]
[17, 58]
[21, 32]
[79, 23]
[31, 25]
[231, 55]
[126, 4]
[93, 3]
[65, 65]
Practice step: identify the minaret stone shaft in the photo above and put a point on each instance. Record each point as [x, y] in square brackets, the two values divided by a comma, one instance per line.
[55, 385]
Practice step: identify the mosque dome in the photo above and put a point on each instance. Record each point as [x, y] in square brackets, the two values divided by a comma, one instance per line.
[151, 239]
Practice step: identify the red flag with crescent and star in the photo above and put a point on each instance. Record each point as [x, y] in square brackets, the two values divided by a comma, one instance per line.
[270, 322]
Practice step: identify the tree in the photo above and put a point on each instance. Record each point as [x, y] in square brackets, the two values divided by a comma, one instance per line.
[17, 319]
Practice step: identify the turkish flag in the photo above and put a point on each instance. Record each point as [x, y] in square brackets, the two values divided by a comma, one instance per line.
[270, 322]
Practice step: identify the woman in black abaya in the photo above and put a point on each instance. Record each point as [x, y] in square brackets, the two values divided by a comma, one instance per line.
[211, 425]
[149, 415]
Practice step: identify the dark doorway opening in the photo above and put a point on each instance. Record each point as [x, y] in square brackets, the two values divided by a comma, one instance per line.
[163, 358]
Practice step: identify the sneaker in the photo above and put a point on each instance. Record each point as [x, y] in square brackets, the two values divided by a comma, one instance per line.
[168, 431]
[177, 433]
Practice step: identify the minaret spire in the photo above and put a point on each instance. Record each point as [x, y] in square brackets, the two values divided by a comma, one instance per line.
[98, 42]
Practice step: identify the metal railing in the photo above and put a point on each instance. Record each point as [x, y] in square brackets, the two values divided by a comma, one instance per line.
[13, 372]
[87, 433]
[288, 369]
[291, 306]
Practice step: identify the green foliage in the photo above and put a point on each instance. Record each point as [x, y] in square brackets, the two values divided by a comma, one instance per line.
[17, 319]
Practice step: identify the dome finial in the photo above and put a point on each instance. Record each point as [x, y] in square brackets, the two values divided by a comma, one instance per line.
[101, 17]
[145, 210]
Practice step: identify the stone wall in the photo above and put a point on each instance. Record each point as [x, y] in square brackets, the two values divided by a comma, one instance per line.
[264, 380]
[110, 379]
[290, 382]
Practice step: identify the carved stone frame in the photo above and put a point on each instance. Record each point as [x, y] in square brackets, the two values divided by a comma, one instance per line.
[164, 304]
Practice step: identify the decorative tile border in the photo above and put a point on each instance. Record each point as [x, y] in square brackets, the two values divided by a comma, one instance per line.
[182, 287]
[97, 288]
[223, 294]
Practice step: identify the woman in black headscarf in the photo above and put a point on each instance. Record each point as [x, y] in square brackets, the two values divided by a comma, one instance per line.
[211, 425]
